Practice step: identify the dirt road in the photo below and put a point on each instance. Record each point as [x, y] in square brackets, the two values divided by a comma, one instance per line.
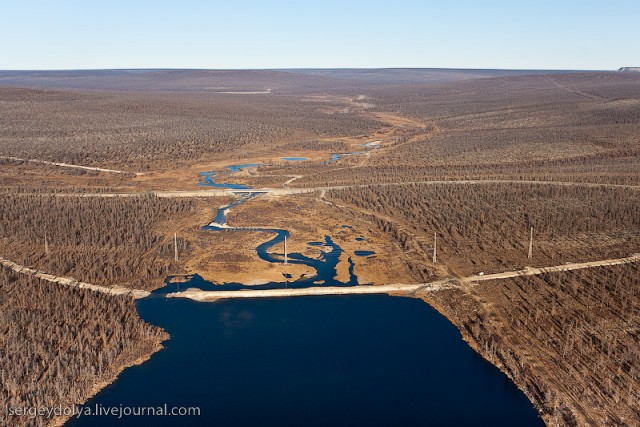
[403, 288]
[198, 295]
[303, 190]
[530, 271]
[67, 165]
[70, 281]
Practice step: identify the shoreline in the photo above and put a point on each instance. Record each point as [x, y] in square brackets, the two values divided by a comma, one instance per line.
[448, 283]
[466, 337]
[475, 346]
[110, 379]
[212, 296]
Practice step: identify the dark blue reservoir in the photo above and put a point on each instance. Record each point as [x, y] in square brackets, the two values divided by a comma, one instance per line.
[369, 360]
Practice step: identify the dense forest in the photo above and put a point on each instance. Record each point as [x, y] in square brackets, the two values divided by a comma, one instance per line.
[611, 168]
[485, 226]
[140, 131]
[571, 339]
[101, 240]
[563, 128]
[58, 343]
[504, 98]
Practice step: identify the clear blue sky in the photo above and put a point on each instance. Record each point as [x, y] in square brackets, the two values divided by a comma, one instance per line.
[561, 34]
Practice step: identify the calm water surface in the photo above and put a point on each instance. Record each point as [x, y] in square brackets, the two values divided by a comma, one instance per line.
[361, 360]
[368, 360]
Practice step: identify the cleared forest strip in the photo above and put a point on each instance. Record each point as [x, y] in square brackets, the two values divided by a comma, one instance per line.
[303, 190]
[571, 90]
[209, 296]
[530, 271]
[471, 181]
[69, 281]
[67, 165]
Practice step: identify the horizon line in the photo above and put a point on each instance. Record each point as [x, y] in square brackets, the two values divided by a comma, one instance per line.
[310, 68]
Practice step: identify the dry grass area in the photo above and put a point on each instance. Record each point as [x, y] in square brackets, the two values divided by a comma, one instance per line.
[309, 219]
[59, 345]
[230, 257]
[571, 340]
[222, 256]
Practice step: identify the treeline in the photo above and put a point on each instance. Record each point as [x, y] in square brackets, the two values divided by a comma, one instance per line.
[48, 190]
[58, 343]
[51, 169]
[101, 240]
[29, 176]
[486, 226]
[525, 128]
[515, 145]
[611, 168]
[570, 339]
[316, 145]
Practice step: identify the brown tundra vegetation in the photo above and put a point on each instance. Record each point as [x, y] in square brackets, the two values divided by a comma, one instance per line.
[571, 340]
[58, 345]
[105, 241]
[141, 131]
[485, 226]
[559, 152]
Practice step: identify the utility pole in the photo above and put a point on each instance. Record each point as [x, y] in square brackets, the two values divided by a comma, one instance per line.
[530, 243]
[434, 247]
[46, 245]
[175, 245]
[285, 250]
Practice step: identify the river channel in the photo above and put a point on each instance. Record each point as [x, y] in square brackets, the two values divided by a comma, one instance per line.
[358, 360]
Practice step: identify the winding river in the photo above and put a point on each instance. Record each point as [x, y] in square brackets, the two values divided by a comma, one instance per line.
[365, 360]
